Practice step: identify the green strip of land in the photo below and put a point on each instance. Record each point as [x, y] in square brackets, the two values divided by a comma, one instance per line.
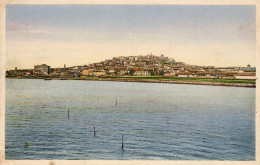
[213, 80]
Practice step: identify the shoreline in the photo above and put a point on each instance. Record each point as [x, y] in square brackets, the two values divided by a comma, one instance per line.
[187, 83]
[243, 85]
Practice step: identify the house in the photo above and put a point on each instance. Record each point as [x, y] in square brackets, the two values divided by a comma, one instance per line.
[85, 72]
[123, 72]
[169, 74]
[99, 73]
[249, 75]
[26, 72]
[110, 70]
[193, 75]
[184, 74]
[88, 72]
[142, 73]
[226, 69]
[218, 74]
[202, 75]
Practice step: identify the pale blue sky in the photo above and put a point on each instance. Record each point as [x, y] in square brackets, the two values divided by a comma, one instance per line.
[82, 34]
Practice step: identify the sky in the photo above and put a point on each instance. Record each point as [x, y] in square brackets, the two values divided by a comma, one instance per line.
[208, 35]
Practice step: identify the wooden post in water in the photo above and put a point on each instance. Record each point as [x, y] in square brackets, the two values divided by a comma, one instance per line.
[116, 101]
[94, 131]
[122, 147]
[68, 113]
[26, 145]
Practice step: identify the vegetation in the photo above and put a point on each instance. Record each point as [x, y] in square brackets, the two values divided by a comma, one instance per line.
[132, 72]
[213, 80]
[160, 78]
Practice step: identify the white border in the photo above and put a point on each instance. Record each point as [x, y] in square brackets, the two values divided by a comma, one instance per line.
[140, 162]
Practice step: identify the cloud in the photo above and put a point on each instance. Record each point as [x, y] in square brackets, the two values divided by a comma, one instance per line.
[25, 28]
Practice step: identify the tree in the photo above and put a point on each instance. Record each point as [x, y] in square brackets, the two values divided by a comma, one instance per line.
[154, 73]
[132, 72]
[162, 73]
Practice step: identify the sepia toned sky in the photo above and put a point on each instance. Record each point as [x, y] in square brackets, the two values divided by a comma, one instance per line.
[81, 34]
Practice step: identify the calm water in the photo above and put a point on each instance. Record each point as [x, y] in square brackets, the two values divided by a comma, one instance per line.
[159, 121]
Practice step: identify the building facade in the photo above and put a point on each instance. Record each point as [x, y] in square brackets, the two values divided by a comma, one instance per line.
[41, 69]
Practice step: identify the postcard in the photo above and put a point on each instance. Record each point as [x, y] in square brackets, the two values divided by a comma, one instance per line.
[129, 82]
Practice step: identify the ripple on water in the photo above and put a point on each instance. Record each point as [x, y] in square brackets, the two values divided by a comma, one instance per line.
[162, 123]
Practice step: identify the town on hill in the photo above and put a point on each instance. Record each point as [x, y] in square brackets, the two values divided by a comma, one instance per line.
[137, 66]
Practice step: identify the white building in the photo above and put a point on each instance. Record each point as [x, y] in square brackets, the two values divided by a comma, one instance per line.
[142, 73]
[251, 76]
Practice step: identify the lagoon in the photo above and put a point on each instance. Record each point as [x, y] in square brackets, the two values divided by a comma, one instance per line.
[159, 121]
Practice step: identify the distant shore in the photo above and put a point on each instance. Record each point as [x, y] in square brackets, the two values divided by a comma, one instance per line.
[185, 82]
[169, 80]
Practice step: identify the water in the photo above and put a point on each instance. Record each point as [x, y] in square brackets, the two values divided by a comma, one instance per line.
[159, 121]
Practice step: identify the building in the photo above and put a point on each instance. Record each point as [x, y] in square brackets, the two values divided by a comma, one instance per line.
[110, 71]
[246, 76]
[169, 74]
[184, 74]
[142, 73]
[123, 72]
[85, 72]
[41, 69]
[99, 73]
[217, 74]
[227, 69]
[24, 72]
[88, 72]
